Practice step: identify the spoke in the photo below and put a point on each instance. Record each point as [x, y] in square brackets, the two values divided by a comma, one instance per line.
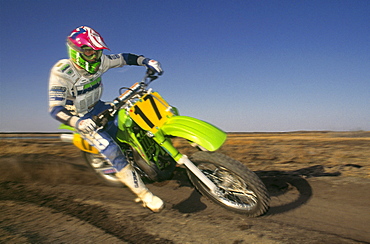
[232, 189]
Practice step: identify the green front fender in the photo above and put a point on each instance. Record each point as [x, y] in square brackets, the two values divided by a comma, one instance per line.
[195, 130]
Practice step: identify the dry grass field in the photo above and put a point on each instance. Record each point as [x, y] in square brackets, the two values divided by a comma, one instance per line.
[344, 153]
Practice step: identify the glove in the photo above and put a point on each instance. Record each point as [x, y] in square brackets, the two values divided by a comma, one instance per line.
[85, 125]
[153, 65]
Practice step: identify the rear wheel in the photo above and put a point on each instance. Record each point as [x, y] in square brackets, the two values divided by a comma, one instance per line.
[239, 189]
[103, 170]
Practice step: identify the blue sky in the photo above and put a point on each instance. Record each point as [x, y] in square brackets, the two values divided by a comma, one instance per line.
[244, 66]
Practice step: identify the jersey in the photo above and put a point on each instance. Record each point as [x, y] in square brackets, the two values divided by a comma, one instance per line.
[70, 86]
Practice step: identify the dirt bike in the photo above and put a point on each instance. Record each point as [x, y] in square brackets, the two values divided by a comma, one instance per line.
[146, 126]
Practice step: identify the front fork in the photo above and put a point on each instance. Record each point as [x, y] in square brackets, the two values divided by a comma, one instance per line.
[184, 160]
[199, 174]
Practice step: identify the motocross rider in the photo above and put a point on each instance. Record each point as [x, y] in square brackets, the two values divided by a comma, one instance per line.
[76, 83]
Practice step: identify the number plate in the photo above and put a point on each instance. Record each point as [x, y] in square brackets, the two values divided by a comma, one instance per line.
[151, 112]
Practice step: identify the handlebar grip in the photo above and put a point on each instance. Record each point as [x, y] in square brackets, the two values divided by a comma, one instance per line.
[150, 72]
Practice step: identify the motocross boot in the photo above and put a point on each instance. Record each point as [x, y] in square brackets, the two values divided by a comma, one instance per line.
[132, 180]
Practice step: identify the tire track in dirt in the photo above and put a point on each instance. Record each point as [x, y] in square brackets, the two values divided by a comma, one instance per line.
[76, 213]
[24, 218]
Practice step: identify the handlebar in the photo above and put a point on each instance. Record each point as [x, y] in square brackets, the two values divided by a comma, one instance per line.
[102, 119]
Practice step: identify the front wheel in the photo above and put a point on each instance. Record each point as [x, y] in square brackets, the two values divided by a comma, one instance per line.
[239, 189]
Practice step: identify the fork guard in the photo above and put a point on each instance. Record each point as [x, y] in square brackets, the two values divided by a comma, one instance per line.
[202, 133]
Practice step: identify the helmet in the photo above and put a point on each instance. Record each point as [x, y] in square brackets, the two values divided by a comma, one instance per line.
[85, 48]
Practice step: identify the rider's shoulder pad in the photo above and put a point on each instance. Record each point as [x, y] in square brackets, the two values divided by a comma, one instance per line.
[63, 67]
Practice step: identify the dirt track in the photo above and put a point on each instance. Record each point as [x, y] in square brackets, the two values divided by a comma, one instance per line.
[318, 183]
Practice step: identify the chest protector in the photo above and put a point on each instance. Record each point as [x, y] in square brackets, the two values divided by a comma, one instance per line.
[87, 91]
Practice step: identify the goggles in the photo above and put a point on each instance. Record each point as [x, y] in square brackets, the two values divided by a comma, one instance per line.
[91, 55]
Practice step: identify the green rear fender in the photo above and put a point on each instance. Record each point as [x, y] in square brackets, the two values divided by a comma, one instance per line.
[66, 127]
[195, 130]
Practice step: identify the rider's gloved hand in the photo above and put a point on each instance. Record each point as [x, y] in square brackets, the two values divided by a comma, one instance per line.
[153, 65]
[85, 125]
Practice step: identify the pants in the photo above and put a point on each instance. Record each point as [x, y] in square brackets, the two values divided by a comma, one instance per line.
[104, 141]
